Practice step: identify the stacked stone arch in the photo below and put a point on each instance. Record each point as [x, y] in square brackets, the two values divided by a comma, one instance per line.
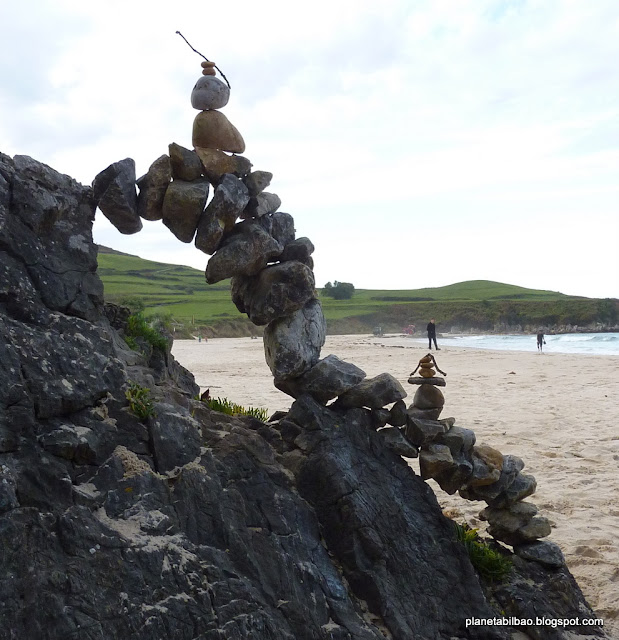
[252, 242]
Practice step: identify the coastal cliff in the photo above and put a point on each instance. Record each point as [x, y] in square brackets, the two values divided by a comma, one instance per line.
[167, 519]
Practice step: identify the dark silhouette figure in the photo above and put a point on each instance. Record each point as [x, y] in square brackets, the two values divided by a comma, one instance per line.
[540, 341]
[432, 335]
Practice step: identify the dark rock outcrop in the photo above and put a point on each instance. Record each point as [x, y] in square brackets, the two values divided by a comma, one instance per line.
[184, 523]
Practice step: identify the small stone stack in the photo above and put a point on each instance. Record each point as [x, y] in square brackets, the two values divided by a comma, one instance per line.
[429, 400]
[448, 454]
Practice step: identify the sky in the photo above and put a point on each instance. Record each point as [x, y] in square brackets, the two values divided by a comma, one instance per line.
[417, 143]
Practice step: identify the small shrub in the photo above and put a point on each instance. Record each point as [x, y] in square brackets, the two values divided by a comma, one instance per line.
[490, 564]
[140, 401]
[223, 405]
[138, 327]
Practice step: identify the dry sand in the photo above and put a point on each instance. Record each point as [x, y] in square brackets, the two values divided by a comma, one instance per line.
[559, 413]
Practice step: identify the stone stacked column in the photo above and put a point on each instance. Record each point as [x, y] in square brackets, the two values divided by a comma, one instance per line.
[272, 281]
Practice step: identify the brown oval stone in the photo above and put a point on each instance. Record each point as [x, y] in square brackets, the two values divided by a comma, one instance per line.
[425, 360]
[209, 72]
[212, 130]
[428, 397]
[207, 64]
[426, 373]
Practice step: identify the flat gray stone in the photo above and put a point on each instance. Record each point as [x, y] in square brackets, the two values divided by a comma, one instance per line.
[437, 382]
[509, 518]
[279, 225]
[326, 380]
[537, 527]
[373, 393]
[543, 552]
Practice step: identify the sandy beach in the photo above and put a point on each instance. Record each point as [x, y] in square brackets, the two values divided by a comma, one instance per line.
[558, 412]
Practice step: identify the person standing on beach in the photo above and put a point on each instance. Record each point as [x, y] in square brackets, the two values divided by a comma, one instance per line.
[540, 341]
[432, 334]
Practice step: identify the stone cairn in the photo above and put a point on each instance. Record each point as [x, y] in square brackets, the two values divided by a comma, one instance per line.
[254, 244]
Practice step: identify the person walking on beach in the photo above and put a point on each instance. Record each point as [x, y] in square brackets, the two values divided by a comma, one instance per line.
[432, 334]
[540, 341]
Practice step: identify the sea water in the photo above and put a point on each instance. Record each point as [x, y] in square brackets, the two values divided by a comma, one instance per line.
[602, 344]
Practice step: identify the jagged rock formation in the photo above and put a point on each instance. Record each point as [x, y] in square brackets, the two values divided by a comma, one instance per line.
[190, 524]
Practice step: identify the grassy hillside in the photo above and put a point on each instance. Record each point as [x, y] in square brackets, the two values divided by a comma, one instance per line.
[183, 293]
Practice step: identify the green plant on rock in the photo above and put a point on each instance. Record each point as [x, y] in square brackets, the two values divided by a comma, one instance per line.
[138, 327]
[490, 564]
[223, 405]
[140, 401]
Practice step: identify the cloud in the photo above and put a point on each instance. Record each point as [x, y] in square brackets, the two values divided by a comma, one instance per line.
[453, 124]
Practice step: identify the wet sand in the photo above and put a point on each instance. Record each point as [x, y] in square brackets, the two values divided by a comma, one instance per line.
[558, 412]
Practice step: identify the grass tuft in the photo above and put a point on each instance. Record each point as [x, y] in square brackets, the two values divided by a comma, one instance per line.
[138, 327]
[490, 564]
[140, 402]
[223, 405]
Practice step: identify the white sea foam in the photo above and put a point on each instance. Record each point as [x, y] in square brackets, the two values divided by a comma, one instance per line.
[577, 343]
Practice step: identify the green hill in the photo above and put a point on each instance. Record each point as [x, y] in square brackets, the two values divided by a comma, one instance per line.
[182, 292]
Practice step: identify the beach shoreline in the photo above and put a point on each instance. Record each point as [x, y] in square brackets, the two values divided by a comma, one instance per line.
[556, 411]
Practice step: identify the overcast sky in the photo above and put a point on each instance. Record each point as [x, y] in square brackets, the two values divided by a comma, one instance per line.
[416, 143]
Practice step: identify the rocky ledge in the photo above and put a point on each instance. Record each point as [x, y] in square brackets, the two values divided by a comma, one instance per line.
[185, 523]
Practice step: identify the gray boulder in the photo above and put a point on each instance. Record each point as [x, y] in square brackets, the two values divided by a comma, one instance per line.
[292, 344]
[219, 217]
[373, 393]
[114, 193]
[245, 252]
[153, 186]
[277, 291]
[183, 205]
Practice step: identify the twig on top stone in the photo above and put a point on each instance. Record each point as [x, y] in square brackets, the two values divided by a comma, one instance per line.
[201, 54]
